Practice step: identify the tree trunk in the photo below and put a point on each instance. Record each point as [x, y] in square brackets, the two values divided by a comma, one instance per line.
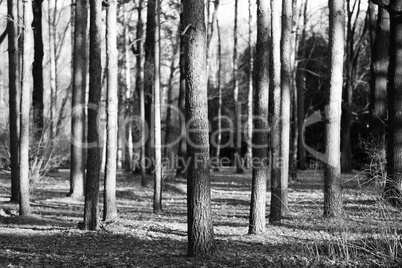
[219, 88]
[275, 87]
[37, 70]
[332, 167]
[199, 212]
[250, 91]
[157, 206]
[392, 190]
[77, 169]
[52, 67]
[91, 219]
[380, 69]
[237, 106]
[149, 47]
[14, 96]
[26, 61]
[301, 86]
[260, 137]
[109, 199]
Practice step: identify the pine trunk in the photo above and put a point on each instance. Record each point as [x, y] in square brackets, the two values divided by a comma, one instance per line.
[77, 169]
[332, 167]
[14, 96]
[91, 211]
[199, 211]
[109, 199]
[260, 137]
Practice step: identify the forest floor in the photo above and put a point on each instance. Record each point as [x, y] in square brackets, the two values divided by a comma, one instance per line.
[368, 235]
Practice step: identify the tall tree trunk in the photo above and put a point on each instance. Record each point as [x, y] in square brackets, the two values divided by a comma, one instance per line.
[139, 85]
[332, 167]
[157, 206]
[37, 70]
[392, 190]
[182, 96]
[79, 84]
[380, 69]
[250, 91]
[149, 47]
[109, 199]
[199, 212]
[52, 67]
[91, 219]
[275, 88]
[26, 61]
[237, 106]
[260, 137]
[14, 96]
[219, 88]
[301, 86]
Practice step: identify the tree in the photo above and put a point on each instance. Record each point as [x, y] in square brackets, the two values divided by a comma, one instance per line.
[260, 135]
[332, 167]
[199, 212]
[37, 69]
[77, 169]
[157, 206]
[52, 60]
[237, 119]
[392, 189]
[219, 88]
[14, 96]
[109, 199]
[91, 219]
[26, 61]
[250, 90]
[275, 88]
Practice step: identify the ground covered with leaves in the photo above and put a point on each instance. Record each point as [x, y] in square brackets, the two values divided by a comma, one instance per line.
[368, 235]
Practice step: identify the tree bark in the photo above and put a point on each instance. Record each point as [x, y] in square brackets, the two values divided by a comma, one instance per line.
[77, 169]
[260, 135]
[392, 189]
[332, 167]
[26, 61]
[275, 87]
[109, 199]
[249, 155]
[14, 96]
[157, 206]
[52, 67]
[237, 106]
[199, 212]
[37, 70]
[91, 218]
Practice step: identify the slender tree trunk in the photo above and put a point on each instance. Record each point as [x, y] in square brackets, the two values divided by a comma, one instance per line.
[79, 84]
[14, 96]
[301, 87]
[157, 206]
[379, 77]
[109, 199]
[182, 95]
[392, 190]
[52, 67]
[26, 61]
[332, 167]
[237, 106]
[260, 137]
[199, 212]
[91, 218]
[219, 88]
[250, 91]
[37, 70]
[149, 47]
[275, 87]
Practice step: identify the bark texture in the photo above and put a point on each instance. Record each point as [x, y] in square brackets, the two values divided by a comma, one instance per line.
[199, 212]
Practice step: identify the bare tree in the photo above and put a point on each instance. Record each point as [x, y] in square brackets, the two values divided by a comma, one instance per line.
[250, 89]
[260, 135]
[109, 199]
[14, 95]
[332, 167]
[79, 84]
[199, 212]
[91, 217]
[26, 61]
